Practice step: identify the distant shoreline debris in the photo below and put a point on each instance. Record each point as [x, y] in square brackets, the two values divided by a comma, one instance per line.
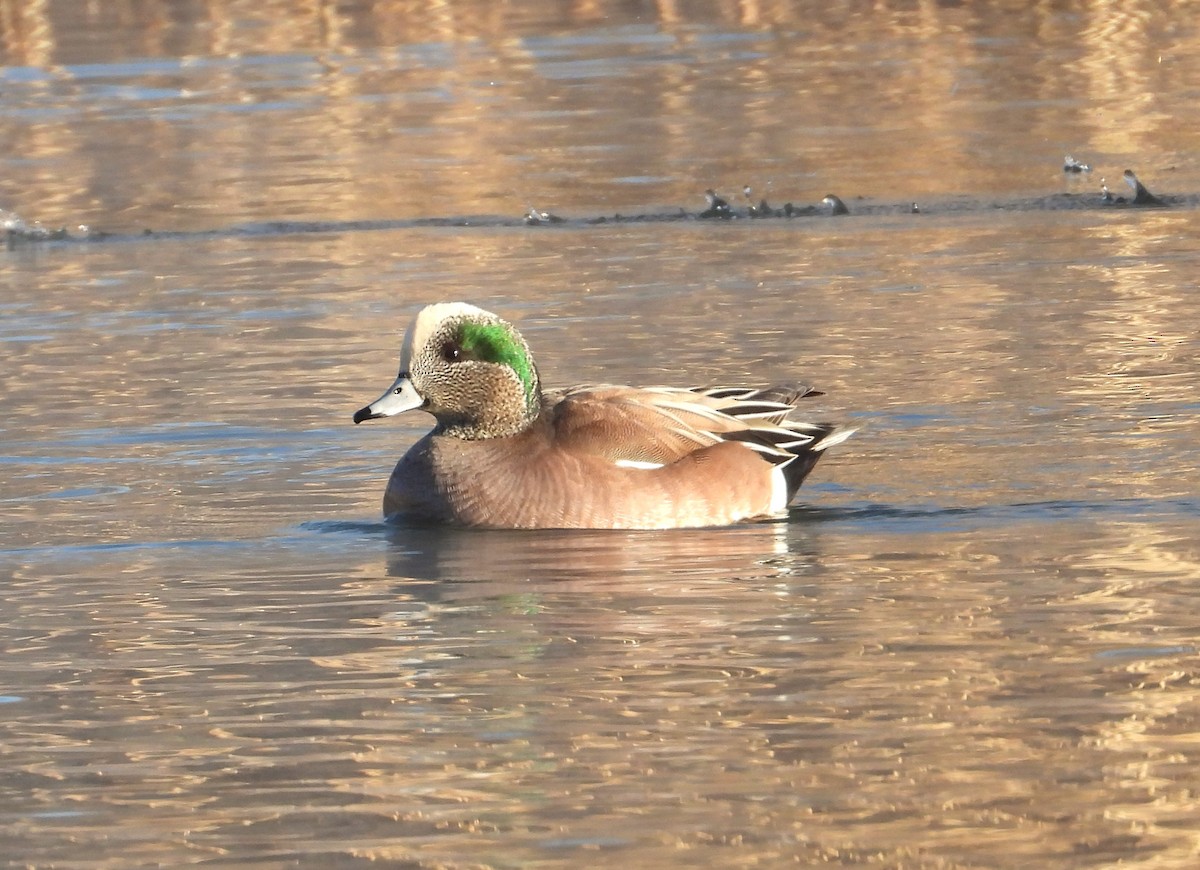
[1142, 196]
[18, 232]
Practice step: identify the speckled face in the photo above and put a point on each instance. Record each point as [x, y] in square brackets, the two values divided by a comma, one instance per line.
[473, 370]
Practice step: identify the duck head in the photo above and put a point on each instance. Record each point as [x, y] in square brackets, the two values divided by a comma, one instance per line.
[468, 368]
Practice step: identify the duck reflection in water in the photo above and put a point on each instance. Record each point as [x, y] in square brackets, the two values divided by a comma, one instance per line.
[509, 560]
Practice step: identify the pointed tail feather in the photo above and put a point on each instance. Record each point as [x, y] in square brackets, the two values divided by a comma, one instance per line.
[805, 458]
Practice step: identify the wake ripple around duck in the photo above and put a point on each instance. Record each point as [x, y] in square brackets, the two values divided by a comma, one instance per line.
[931, 518]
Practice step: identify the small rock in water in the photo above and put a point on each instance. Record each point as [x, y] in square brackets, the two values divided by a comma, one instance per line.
[1070, 164]
[1141, 196]
[762, 210]
[717, 207]
[836, 206]
[534, 217]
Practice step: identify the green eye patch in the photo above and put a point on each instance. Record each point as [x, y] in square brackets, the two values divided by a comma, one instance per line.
[494, 343]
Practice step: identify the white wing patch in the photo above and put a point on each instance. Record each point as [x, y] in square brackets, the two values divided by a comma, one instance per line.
[638, 464]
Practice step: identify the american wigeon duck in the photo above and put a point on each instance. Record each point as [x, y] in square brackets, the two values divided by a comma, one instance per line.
[505, 454]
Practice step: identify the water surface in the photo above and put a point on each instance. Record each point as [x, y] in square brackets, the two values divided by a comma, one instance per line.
[972, 644]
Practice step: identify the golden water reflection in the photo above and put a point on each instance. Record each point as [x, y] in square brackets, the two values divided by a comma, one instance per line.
[973, 643]
[387, 110]
[940, 698]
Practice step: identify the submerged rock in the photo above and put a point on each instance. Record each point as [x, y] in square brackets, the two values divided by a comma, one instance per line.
[790, 210]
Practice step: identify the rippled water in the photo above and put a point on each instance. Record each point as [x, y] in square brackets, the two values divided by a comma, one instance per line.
[974, 643]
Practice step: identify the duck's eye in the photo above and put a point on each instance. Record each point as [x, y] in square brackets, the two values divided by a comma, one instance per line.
[451, 351]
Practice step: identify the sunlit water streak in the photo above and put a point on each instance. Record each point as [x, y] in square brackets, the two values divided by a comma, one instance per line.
[972, 642]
